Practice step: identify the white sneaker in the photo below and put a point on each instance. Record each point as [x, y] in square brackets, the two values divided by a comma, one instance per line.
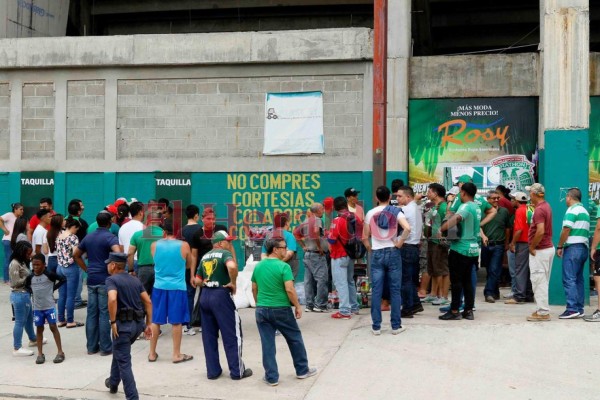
[200, 330]
[398, 331]
[376, 332]
[311, 372]
[508, 295]
[190, 332]
[33, 343]
[22, 352]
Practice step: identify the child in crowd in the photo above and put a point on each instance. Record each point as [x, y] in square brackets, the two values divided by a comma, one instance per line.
[43, 283]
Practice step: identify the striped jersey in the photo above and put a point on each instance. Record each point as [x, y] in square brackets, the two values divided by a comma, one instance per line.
[578, 219]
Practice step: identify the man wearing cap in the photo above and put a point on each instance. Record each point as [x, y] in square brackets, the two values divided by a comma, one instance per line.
[140, 245]
[114, 228]
[495, 238]
[519, 246]
[351, 195]
[127, 301]
[541, 251]
[573, 248]
[97, 245]
[217, 274]
[136, 209]
[169, 295]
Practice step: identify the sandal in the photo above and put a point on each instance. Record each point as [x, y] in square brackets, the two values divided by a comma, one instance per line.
[61, 324]
[153, 360]
[184, 358]
[75, 325]
[59, 358]
[40, 359]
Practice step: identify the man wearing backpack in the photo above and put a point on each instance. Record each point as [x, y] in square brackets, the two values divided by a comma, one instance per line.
[381, 224]
[344, 231]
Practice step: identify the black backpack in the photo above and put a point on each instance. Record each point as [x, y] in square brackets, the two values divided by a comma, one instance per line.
[354, 246]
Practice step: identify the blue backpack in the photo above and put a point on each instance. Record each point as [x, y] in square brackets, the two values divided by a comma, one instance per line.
[388, 217]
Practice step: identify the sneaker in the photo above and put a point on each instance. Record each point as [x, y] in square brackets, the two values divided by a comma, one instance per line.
[440, 301]
[490, 299]
[308, 309]
[111, 388]
[512, 300]
[33, 343]
[376, 332]
[246, 374]
[312, 371]
[428, 299]
[417, 308]
[450, 316]
[468, 315]
[398, 331]
[339, 315]
[80, 306]
[569, 315]
[190, 332]
[40, 359]
[406, 314]
[535, 317]
[356, 312]
[595, 317]
[200, 330]
[508, 295]
[269, 383]
[22, 352]
[320, 310]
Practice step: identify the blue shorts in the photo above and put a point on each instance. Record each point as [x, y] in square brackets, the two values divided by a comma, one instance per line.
[41, 316]
[170, 306]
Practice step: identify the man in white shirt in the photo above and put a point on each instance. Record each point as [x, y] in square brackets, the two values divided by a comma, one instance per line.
[37, 239]
[411, 304]
[381, 224]
[136, 209]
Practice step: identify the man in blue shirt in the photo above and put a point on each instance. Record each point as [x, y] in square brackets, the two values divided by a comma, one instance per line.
[97, 245]
[281, 229]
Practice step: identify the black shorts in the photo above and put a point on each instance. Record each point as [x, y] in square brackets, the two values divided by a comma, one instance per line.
[596, 263]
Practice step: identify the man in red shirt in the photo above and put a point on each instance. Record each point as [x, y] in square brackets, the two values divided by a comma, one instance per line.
[541, 251]
[519, 246]
[342, 266]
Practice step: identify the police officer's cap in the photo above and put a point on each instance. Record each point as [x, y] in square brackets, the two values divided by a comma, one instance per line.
[116, 257]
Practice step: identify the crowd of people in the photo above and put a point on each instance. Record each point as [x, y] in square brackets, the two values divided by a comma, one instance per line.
[144, 271]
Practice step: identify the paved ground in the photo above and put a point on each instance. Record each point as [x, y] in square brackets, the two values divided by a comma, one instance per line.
[497, 356]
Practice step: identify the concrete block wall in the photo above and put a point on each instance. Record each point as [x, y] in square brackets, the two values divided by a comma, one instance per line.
[212, 118]
[4, 121]
[85, 119]
[37, 132]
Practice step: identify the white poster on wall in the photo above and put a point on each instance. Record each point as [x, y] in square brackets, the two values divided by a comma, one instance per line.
[294, 123]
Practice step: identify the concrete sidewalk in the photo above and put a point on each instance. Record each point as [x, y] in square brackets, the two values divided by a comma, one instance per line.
[497, 356]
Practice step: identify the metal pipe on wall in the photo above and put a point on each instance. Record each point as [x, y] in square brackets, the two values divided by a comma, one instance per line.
[379, 92]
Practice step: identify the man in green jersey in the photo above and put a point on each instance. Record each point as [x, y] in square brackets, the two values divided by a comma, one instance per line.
[573, 249]
[437, 253]
[217, 273]
[273, 290]
[463, 252]
[140, 243]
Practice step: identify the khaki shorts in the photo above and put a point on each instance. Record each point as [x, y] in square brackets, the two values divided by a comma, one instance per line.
[437, 260]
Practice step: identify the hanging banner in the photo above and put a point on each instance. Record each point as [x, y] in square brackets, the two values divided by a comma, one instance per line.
[594, 187]
[34, 186]
[452, 137]
[293, 123]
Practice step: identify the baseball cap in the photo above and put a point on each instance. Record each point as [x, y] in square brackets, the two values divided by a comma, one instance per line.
[519, 196]
[120, 201]
[464, 179]
[454, 191]
[112, 209]
[351, 192]
[536, 188]
[116, 257]
[219, 236]
[328, 203]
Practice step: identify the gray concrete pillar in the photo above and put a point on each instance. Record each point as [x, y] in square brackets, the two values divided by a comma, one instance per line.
[564, 112]
[398, 56]
[16, 115]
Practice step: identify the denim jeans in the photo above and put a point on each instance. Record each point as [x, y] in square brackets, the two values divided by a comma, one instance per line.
[342, 271]
[510, 256]
[491, 258]
[315, 274]
[21, 302]
[270, 319]
[97, 324]
[574, 258]
[67, 292]
[78, 299]
[7, 254]
[410, 276]
[52, 264]
[386, 266]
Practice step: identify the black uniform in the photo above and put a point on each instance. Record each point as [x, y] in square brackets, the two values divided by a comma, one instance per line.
[130, 322]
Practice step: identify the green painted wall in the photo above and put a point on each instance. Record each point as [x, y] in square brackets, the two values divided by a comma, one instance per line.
[564, 164]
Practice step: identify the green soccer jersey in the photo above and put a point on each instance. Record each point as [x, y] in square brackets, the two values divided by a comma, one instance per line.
[578, 220]
[437, 215]
[468, 242]
[270, 276]
[213, 268]
[479, 200]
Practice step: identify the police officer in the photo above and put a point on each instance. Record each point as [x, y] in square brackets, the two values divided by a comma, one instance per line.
[125, 297]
